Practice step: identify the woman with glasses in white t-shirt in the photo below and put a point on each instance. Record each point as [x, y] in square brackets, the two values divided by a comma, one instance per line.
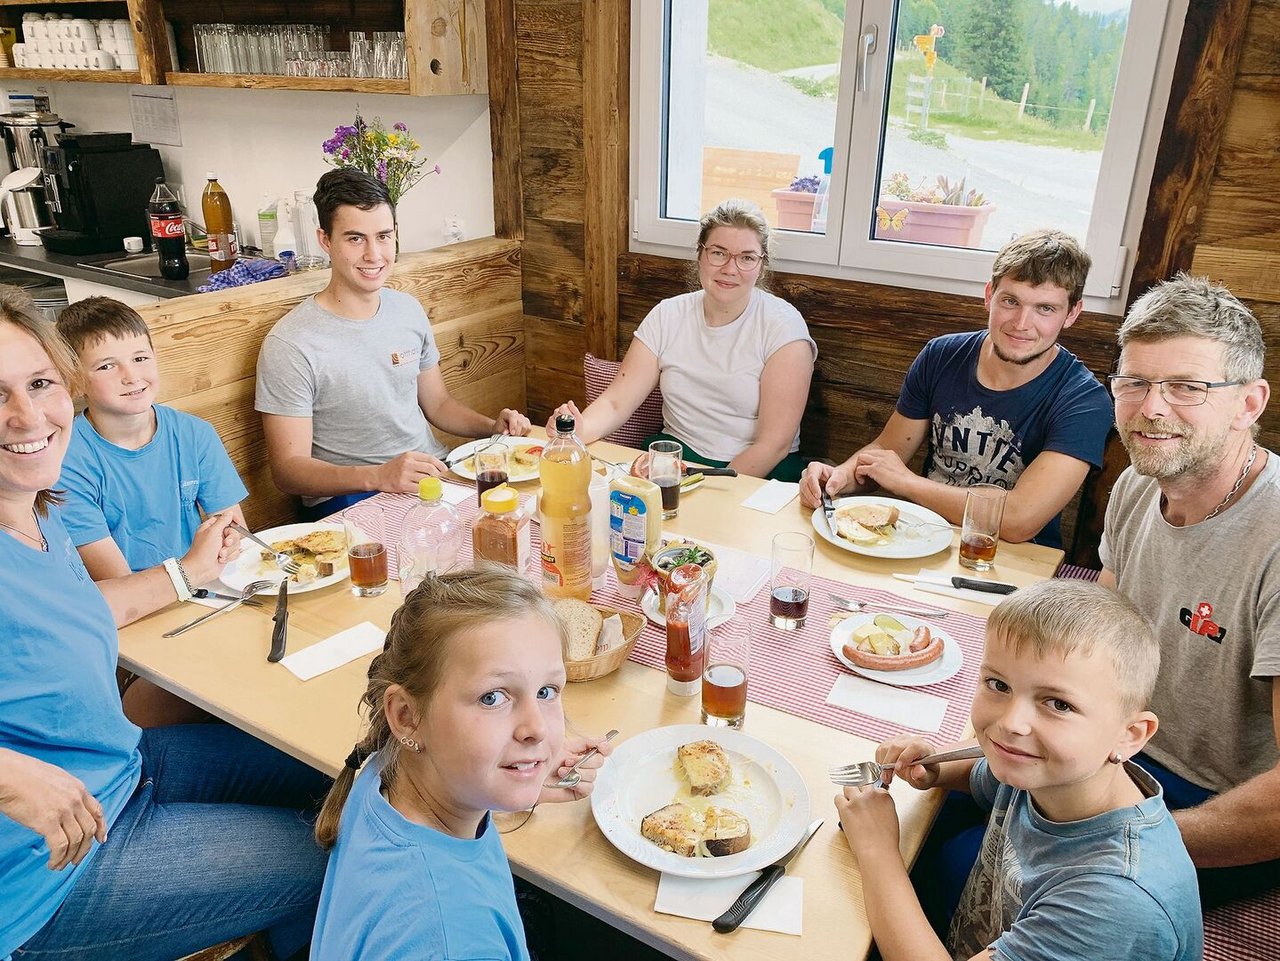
[733, 361]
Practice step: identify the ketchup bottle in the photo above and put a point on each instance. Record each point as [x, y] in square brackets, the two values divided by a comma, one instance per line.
[686, 629]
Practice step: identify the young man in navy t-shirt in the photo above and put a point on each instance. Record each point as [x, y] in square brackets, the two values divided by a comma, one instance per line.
[1006, 405]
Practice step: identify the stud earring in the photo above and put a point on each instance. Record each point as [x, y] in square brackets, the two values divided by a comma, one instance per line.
[411, 744]
[1116, 758]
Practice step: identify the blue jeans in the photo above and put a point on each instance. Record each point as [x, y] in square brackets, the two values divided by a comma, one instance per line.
[334, 504]
[215, 843]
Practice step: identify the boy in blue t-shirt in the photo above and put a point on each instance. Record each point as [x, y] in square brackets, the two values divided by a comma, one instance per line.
[1081, 860]
[149, 491]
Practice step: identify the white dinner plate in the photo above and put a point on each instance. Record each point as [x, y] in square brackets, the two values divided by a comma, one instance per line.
[467, 471]
[250, 566]
[721, 608]
[904, 543]
[944, 667]
[640, 777]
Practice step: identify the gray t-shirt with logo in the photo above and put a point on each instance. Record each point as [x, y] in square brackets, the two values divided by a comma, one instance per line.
[1212, 590]
[356, 379]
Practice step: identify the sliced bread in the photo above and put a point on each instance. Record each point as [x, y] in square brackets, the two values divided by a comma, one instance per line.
[705, 765]
[726, 832]
[582, 622]
[676, 828]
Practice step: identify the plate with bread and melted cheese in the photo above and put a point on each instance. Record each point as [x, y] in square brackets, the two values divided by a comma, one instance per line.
[883, 527]
[700, 802]
[320, 550]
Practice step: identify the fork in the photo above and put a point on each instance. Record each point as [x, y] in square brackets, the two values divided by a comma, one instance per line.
[253, 587]
[283, 560]
[863, 773]
[857, 607]
[573, 777]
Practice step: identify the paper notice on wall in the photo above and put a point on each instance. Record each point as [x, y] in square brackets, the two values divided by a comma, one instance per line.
[155, 115]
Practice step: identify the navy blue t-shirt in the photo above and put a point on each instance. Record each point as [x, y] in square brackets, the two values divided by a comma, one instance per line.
[978, 435]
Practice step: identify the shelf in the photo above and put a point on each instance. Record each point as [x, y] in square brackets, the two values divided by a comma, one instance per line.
[51, 3]
[86, 76]
[271, 82]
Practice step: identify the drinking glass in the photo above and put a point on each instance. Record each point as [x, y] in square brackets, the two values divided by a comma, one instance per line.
[665, 457]
[724, 680]
[980, 532]
[491, 468]
[792, 572]
[366, 529]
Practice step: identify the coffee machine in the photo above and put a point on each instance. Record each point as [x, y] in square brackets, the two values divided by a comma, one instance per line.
[97, 185]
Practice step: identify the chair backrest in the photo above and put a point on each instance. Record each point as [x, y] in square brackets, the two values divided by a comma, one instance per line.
[647, 419]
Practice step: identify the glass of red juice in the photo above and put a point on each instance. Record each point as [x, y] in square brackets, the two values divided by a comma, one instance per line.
[724, 679]
[792, 572]
[491, 468]
[366, 527]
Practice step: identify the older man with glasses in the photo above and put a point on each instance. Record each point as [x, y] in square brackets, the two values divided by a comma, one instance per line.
[1193, 538]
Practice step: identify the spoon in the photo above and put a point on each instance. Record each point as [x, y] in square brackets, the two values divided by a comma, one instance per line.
[857, 607]
[573, 777]
[254, 587]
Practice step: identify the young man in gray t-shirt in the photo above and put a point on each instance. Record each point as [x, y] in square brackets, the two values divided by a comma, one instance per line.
[1193, 539]
[349, 383]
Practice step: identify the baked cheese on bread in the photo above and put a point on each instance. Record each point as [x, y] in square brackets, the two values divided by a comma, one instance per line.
[726, 832]
[706, 767]
[676, 828]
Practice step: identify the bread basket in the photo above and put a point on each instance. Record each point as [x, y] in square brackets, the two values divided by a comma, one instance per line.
[591, 668]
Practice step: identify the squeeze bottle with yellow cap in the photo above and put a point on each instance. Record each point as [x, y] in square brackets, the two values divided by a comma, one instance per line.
[501, 533]
[430, 537]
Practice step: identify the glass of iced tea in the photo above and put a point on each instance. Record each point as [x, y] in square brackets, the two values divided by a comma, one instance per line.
[980, 532]
[792, 571]
[724, 679]
[366, 548]
[665, 470]
[491, 467]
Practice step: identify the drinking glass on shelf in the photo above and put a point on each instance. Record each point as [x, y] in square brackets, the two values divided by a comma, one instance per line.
[365, 528]
[980, 532]
[792, 572]
[728, 668]
[665, 461]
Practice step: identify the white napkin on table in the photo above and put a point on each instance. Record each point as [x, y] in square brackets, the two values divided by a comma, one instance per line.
[772, 497]
[939, 582]
[345, 646]
[705, 899]
[913, 709]
[456, 493]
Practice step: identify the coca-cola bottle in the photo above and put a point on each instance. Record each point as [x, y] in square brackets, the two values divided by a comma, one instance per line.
[167, 232]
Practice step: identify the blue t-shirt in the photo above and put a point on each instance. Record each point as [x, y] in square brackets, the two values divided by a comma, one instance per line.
[395, 889]
[58, 703]
[146, 500]
[1116, 887]
[983, 436]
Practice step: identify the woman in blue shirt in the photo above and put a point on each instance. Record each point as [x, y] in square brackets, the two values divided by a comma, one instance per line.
[115, 842]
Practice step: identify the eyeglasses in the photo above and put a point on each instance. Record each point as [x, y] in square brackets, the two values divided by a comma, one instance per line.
[1179, 393]
[718, 257]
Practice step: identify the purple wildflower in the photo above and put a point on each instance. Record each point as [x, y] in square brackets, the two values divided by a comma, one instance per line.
[435, 169]
[399, 126]
[382, 171]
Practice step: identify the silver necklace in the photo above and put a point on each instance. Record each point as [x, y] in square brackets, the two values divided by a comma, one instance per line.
[1235, 488]
[44, 545]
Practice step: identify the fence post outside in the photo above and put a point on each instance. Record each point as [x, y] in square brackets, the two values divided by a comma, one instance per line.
[982, 95]
[1088, 118]
[1022, 105]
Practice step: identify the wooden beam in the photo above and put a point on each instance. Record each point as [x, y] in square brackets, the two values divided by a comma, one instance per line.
[606, 26]
[504, 119]
[1208, 57]
[150, 40]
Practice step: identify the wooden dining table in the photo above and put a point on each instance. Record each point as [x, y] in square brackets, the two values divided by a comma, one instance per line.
[221, 667]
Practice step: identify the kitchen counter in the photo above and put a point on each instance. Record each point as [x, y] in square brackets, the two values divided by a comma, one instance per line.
[41, 261]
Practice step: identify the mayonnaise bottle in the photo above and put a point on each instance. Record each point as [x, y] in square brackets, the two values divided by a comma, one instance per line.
[635, 528]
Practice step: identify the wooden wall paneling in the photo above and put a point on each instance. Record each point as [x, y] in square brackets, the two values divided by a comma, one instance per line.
[1262, 39]
[504, 119]
[150, 40]
[446, 47]
[553, 355]
[1243, 205]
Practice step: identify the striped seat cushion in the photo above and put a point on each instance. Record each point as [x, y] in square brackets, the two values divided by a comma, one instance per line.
[1245, 931]
[1078, 573]
[647, 419]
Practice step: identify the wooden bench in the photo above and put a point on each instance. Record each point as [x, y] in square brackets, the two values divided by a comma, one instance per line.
[207, 346]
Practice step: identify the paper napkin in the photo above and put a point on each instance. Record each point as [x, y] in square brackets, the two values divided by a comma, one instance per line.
[939, 582]
[913, 709]
[456, 493]
[345, 646]
[772, 497]
[705, 899]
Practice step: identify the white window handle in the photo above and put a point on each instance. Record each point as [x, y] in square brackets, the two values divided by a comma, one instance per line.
[870, 33]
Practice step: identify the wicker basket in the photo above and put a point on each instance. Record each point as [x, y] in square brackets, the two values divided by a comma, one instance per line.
[602, 664]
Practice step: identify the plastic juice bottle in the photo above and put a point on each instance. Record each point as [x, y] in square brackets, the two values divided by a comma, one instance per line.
[268, 224]
[431, 536]
[565, 508]
[219, 224]
[686, 630]
[635, 528]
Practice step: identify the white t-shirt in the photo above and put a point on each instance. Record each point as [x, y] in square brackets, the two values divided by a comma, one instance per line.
[710, 376]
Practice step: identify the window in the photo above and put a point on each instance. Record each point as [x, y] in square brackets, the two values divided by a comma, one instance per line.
[902, 143]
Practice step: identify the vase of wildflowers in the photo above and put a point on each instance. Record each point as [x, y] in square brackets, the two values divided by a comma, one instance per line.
[390, 155]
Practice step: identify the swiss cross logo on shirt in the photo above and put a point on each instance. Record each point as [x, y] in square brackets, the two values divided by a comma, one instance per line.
[1201, 622]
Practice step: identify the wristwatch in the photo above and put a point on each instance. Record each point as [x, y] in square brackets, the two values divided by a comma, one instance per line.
[181, 583]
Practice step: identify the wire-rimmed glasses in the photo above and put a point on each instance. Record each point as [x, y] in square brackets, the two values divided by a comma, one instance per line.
[1179, 393]
[747, 260]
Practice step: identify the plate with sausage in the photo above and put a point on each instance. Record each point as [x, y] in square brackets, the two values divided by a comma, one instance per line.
[896, 649]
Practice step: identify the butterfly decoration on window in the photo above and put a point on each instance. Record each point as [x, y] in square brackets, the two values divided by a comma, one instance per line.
[888, 221]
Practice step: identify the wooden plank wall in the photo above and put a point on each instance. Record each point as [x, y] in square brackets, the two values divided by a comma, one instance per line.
[868, 334]
[207, 346]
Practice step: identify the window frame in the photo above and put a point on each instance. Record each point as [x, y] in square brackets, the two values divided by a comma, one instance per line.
[1143, 83]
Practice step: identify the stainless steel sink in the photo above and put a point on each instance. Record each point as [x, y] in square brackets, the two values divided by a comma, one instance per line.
[148, 265]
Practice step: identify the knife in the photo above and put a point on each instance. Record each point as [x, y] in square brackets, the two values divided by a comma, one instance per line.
[281, 617]
[829, 509]
[757, 889]
[712, 471]
[959, 583]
